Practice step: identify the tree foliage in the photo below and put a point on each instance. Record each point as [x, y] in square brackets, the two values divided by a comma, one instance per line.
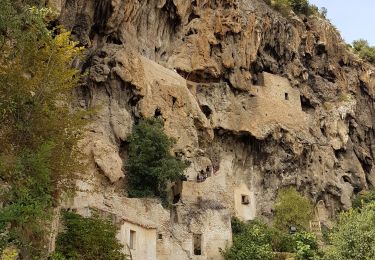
[88, 238]
[39, 130]
[354, 235]
[364, 50]
[150, 164]
[363, 198]
[292, 210]
[256, 240]
[297, 6]
[250, 241]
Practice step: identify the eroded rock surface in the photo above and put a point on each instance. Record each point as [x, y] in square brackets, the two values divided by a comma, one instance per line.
[255, 100]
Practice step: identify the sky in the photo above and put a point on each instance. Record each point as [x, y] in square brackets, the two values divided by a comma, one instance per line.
[355, 19]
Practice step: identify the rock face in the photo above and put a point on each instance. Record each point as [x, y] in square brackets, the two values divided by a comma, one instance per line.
[255, 100]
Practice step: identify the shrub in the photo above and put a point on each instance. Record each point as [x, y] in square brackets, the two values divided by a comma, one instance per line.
[300, 6]
[363, 199]
[292, 210]
[150, 164]
[354, 235]
[9, 253]
[297, 6]
[87, 238]
[256, 240]
[305, 246]
[302, 243]
[364, 50]
[250, 241]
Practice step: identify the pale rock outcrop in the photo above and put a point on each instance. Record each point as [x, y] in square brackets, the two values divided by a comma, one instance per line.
[106, 157]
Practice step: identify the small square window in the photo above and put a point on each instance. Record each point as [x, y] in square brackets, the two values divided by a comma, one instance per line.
[160, 236]
[245, 199]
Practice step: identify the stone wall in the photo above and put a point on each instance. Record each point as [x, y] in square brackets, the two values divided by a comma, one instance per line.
[244, 203]
[143, 239]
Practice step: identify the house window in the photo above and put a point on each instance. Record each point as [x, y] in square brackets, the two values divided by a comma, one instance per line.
[197, 242]
[245, 199]
[160, 236]
[132, 239]
[286, 96]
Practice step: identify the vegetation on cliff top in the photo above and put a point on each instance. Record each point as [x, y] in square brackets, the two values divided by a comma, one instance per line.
[297, 6]
[364, 50]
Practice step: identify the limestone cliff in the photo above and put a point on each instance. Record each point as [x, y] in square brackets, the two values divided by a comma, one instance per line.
[256, 100]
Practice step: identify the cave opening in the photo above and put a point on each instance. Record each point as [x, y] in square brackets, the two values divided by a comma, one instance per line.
[157, 112]
[206, 111]
[103, 10]
[197, 242]
[306, 104]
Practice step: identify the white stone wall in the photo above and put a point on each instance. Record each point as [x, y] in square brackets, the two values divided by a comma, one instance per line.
[244, 211]
[145, 241]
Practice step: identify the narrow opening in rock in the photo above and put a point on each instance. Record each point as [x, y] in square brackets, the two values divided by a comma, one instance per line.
[157, 112]
[197, 241]
[206, 111]
[323, 131]
[114, 39]
[346, 179]
[286, 95]
[173, 214]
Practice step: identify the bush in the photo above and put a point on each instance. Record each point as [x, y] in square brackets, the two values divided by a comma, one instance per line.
[363, 199]
[256, 240]
[305, 246]
[150, 164]
[364, 51]
[300, 6]
[9, 253]
[297, 6]
[250, 241]
[302, 243]
[354, 235]
[88, 239]
[292, 210]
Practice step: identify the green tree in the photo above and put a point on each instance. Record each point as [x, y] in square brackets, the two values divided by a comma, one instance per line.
[292, 209]
[256, 240]
[363, 198]
[39, 130]
[88, 239]
[353, 238]
[305, 246]
[250, 241]
[364, 50]
[150, 164]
